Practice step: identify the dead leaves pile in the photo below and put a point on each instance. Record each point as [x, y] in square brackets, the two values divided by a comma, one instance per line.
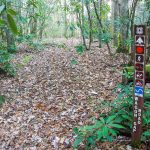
[50, 96]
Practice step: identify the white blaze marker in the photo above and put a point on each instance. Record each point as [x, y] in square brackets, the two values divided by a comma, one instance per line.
[140, 41]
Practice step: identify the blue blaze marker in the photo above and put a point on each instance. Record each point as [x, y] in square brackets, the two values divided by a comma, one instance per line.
[139, 91]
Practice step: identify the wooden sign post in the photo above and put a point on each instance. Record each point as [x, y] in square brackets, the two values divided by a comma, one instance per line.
[139, 82]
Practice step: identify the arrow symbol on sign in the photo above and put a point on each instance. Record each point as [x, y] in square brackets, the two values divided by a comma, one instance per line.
[140, 41]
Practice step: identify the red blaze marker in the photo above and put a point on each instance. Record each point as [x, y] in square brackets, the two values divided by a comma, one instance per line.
[139, 49]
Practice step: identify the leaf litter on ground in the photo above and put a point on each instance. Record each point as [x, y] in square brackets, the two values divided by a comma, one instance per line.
[54, 91]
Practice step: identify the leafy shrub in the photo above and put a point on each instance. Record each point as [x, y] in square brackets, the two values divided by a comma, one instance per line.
[5, 65]
[80, 48]
[29, 40]
[117, 121]
[106, 37]
[103, 129]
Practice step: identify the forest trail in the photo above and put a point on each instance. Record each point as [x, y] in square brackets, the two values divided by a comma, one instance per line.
[55, 90]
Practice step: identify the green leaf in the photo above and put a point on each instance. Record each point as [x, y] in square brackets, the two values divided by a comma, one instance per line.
[2, 7]
[148, 112]
[110, 138]
[80, 49]
[12, 24]
[126, 117]
[74, 62]
[2, 22]
[11, 12]
[147, 133]
[98, 124]
[88, 128]
[116, 125]
[118, 119]
[26, 59]
[110, 118]
[91, 140]
[77, 142]
[2, 99]
[102, 120]
[99, 134]
[76, 130]
[105, 131]
[113, 132]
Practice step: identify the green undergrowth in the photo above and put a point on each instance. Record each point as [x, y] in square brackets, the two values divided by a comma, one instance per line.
[2, 100]
[25, 60]
[117, 121]
[5, 63]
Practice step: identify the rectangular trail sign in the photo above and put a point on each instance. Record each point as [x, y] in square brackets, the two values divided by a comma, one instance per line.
[139, 82]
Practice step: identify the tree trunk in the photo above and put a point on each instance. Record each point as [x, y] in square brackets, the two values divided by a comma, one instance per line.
[41, 29]
[115, 16]
[82, 30]
[90, 24]
[125, 15]
[132, 16]
[10, 40]
[65, 18]
[100, 30]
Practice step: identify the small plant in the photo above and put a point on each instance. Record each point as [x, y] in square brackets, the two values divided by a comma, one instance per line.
[26, 59]
[146, 135]
[29, 40]
[5, 65]
[103, 129]
[117, 121]
[74, 62]
[80, 48]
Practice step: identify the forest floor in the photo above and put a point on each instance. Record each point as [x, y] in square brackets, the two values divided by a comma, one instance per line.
[51, 95]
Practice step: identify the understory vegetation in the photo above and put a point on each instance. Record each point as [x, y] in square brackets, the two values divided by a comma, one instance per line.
[117, 120]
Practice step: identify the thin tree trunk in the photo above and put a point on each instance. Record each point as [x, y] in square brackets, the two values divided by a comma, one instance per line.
[82, 31]
[115, 14]
[100, 30]
[100, 23]
[132, 15]
[41, 30]
[90, 24]
[65, 18]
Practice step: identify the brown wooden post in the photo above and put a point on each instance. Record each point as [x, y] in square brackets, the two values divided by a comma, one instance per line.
[139, 82]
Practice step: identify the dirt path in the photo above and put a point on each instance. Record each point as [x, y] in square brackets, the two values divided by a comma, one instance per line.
[50, 96]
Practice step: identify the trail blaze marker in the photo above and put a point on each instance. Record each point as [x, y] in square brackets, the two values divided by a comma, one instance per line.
[140, 40]
[139, 82]
[139, 49]
[139, 58]
[139, 67]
